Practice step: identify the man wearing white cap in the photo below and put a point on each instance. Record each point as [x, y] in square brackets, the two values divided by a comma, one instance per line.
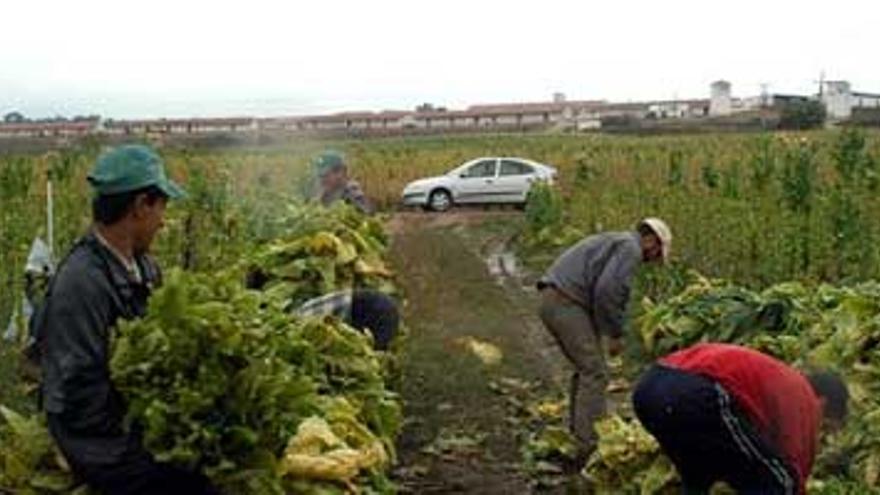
[584, 298]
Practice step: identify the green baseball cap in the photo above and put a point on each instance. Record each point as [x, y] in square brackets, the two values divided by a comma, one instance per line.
[129, 168]
[328, 161]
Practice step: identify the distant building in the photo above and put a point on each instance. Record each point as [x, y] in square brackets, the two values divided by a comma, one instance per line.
[778, 100]
[280, 124]
[179, 126]
[837, 97]
[840, 100]
[866, 100]
[720, 99]
[677, 109]
[559, 113]
[48, 129]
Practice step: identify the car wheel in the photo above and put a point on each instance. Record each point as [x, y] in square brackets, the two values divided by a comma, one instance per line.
[440, 200]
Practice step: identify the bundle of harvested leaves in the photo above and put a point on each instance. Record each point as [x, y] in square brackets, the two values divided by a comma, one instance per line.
[324, 250]
[228, 381]
[258, 375]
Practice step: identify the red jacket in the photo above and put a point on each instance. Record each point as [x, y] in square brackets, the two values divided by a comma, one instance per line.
[779, 401]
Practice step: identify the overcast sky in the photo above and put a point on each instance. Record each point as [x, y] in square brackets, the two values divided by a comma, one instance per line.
[257, 57]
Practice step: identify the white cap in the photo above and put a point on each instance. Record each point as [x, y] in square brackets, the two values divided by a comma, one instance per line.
[662, 231]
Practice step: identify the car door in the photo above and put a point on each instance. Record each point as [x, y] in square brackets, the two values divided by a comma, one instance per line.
[477, 183]
[515, 177]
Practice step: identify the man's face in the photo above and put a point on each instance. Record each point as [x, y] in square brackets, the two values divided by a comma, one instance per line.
[334, 179]
[652, 248]
[148, 218]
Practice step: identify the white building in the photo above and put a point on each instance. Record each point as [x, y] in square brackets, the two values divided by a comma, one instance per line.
[720, 102]
[840, 100]
[837, 97]
[866, 100]
[677, 109]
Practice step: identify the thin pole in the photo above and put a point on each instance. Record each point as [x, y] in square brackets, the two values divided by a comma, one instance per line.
[50, 234]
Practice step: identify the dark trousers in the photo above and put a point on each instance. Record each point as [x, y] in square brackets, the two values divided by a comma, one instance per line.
[148, 478]
[701, 430]
[117, 465]
[377, 313]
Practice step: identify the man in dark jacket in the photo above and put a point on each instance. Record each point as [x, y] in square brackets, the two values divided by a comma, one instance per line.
[335, 184]
[107, 276]
[728, 413]
[584, 296]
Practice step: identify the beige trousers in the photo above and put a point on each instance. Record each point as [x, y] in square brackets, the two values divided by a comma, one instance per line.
[573, 329]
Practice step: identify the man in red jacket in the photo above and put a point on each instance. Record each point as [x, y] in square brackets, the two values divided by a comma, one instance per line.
[728, 413]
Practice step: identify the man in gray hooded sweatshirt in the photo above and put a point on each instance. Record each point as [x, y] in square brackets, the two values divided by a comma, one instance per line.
[584, 296]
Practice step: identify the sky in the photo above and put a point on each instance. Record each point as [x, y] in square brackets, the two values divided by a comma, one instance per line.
[185, 58]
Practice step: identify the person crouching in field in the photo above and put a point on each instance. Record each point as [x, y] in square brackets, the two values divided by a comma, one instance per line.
[107, 277]
[361, 309]
[584, 296]
[727, 413]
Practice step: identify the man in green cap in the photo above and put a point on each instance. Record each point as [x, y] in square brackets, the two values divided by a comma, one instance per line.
[335, 185]
[107, 277]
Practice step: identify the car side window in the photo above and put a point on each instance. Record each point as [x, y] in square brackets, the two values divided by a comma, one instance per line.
[513, 167]
[484, 168]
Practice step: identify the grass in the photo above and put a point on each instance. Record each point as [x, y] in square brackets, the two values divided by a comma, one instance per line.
[13, 392]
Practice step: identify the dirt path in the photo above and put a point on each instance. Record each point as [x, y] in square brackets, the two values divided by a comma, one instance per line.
[460, 283]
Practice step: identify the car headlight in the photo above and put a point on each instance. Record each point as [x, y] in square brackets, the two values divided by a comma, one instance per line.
[411, 192]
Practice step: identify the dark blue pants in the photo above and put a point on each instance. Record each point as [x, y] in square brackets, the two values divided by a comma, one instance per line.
[701, 430]
[132, 471]
[377, 313]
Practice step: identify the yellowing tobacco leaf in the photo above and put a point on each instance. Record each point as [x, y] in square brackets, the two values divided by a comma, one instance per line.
[488, 353]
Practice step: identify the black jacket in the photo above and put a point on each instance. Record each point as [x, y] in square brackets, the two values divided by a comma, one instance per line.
[73, 329]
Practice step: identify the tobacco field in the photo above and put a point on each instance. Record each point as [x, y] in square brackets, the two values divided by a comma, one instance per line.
[776, 247]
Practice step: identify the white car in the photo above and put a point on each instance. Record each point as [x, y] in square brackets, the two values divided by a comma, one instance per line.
[479, 181]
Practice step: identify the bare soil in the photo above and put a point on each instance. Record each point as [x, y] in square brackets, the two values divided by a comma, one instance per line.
[460, 280]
